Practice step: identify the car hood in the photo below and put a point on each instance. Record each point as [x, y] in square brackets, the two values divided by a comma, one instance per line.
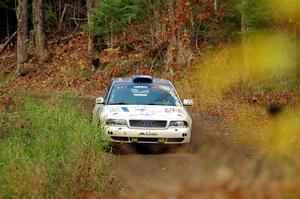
[145, 112]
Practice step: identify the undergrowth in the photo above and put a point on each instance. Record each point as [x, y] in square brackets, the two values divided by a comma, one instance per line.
[51, 148]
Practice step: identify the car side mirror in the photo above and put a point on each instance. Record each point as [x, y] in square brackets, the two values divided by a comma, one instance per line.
[187, 102]
[99, 100]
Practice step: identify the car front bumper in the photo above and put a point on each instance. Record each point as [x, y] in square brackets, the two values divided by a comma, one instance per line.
[159, 136]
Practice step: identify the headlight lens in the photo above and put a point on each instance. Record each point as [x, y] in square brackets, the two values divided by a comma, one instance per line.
[116, 122]
[178, 124]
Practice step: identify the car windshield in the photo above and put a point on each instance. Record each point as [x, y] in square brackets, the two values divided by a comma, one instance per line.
[143, 95]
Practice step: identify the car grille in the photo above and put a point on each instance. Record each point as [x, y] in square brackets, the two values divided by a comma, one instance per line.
[148, 123]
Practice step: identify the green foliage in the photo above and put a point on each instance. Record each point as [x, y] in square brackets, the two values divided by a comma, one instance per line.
[50, 17]
[257, 14]
[3, 4]
[291, 85]
[230, 23]
[51, 148]
[113, 16]
[218, 25]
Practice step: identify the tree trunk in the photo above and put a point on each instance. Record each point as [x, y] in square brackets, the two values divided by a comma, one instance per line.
[151, 20]
[39, 34]
[7, 22]
[172, 48]
[179, 50]
[90, 5]
[245, 47]
[22, 16]
[215, 5]
[184, 52]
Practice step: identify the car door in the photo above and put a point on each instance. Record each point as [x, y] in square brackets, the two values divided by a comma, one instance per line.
[99, 108]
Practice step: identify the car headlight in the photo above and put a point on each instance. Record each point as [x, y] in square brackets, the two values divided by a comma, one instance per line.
[178, 124]
[116, 122]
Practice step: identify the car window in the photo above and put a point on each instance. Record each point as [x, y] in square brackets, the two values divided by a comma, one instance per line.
[105, 96]
[143, 95]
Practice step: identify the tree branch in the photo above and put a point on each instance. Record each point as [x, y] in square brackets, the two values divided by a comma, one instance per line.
[7, 42]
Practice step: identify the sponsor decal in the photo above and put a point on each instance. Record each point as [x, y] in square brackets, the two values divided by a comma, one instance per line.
[168, 110]
[140, 86]
[115, 110]
[176, 110]
[125, 109]
[149, 134]
[167, 88]
[139, 92]
[121, 87]
[145, 112]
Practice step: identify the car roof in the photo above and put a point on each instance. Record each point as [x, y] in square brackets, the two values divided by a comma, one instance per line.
[129, 81]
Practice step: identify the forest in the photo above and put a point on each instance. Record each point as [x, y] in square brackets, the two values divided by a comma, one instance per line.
[239, 60]
[167, 35]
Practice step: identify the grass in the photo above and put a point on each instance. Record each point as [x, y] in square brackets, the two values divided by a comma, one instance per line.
[51, 148]
[292, 85]
[266, 147]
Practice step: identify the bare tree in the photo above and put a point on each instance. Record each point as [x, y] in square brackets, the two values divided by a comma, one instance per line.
[179, 51]
[170, 55]
[91, 45]
[39, 34]
[22, 17]
[90, 5]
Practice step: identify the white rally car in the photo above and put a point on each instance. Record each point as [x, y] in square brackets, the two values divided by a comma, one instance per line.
[143, 109]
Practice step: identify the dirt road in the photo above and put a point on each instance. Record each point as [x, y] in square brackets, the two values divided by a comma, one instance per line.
[140, 168]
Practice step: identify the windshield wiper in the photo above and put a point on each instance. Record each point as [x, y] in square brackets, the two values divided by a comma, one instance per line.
[119, 103]
[158, 104]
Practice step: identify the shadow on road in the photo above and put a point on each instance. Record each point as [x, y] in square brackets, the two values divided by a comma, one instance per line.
[149, 149]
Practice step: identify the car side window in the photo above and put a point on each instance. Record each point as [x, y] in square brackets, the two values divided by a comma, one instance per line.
[107, 91]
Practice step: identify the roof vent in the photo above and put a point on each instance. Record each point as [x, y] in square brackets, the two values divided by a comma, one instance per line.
[142, 79]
